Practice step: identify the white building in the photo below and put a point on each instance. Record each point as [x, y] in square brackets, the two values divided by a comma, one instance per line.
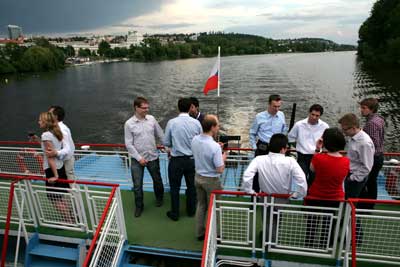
[14, 32]
[134, 38]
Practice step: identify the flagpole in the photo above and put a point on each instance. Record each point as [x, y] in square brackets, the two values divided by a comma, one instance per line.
[219, 77]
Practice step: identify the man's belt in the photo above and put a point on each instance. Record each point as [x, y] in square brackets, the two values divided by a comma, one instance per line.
[262, 145]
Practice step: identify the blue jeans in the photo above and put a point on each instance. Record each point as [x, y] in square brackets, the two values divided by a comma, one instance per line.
[178, 167]
[137, 175]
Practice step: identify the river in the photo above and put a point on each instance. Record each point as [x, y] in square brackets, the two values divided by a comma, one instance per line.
[98, 98]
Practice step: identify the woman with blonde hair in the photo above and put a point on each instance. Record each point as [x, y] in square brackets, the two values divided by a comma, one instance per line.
[54, 168]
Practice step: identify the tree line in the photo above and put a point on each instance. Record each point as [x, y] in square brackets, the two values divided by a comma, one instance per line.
[379, 36]
[40, 57]
[44, 56]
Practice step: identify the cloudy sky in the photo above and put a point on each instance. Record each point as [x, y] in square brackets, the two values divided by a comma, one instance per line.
[337, 20]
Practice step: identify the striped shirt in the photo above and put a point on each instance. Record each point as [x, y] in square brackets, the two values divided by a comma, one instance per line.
[374, 127]
[140, 137]
[360, 151]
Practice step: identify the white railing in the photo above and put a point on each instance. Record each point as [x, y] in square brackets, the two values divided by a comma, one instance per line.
[115, 166]
[111, 240]
[291, 229]
[210, 240]
[372, 235]
[64, 208]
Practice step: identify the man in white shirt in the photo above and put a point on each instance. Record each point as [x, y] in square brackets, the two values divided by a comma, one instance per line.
[306, 133]
[276, 171]
[66, 154]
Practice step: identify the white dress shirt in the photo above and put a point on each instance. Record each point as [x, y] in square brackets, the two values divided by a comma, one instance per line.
[306, 135]
[68, 146]
[276, 172]
[140, 137]
[360, 151]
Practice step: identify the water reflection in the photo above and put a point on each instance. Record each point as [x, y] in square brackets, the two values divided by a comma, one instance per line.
[384, 85]
[98, 98]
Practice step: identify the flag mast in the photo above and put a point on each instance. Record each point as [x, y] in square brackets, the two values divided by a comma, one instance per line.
[219, 68]
[219, 78]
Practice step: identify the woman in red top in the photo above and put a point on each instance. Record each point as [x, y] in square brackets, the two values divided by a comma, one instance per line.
[330, 169]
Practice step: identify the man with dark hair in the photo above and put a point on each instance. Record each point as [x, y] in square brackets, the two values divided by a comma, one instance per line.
[276, 171]
[305, 133]
[179, 134]
[375, 128]
[209, 161]
[141, 133]
[194, 111]
[66, 154]
[360, 151]
[266, 124]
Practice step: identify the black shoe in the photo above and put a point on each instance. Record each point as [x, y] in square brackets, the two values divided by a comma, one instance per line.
[200, 238]
[172, 217]
[138, 212]
[191, 214]
[159, 202]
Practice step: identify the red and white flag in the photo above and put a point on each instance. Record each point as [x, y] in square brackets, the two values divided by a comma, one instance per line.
[213, 80]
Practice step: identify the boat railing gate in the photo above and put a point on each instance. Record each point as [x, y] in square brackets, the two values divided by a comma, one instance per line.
[111, 163]
[372, 235]
[270, 224]
[89, 207]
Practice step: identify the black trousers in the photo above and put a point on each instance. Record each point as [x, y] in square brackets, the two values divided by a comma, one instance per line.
[315, 238]
[370, 189]
[304, 161]
[262, 149]
[178, 167]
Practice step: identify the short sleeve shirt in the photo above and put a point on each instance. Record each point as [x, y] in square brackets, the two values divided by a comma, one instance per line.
[48, 136]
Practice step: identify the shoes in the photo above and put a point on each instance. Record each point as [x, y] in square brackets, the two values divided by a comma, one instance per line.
[138, 212]
[172, 217]
[159, 202]
[191, 214]
[200, 238]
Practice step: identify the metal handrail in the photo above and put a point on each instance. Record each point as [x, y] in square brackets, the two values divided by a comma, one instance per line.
[99, 226]
[7, 226]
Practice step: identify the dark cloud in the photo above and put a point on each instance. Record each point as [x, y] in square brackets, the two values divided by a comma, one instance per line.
[49, 16]
[127, 25]
[155, 26]
[170, 26]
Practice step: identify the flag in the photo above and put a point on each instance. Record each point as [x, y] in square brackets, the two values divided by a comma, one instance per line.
[213, 80]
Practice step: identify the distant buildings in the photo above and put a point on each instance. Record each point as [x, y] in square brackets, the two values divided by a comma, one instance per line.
[134, 38]
[14, 32]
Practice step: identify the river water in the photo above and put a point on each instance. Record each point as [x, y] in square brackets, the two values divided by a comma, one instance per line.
[98, 98]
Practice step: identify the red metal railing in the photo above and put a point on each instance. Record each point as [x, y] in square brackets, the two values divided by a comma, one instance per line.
[7, 226]
[99, 226]
[352, 202]
[17, 178]
[159, 147]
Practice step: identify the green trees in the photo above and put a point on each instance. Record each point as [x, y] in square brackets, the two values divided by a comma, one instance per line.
[379, 35]
[41, 57]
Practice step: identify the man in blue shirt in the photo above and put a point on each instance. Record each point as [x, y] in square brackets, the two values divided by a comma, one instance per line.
[209, 161]
[179, 134]
[265, 125]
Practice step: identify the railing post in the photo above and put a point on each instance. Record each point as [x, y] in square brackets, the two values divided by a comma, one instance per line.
[353, 235]
[99, 226]
[7, 226]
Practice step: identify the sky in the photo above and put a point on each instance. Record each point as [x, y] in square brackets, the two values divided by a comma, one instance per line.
[337, 20]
